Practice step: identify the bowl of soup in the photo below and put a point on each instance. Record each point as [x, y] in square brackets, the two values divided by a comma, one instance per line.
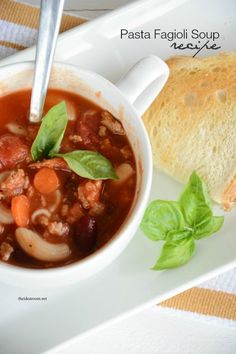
[73, 187]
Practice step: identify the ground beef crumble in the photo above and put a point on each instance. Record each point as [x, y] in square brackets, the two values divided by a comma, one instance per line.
[5, 251]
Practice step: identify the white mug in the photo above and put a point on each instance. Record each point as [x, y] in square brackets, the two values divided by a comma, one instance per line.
[127, 101]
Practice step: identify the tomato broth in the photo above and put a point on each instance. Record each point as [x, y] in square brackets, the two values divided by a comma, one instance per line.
[44, 203]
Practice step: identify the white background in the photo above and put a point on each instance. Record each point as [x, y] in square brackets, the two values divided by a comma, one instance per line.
[155, 330]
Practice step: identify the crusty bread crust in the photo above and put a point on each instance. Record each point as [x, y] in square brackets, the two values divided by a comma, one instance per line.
[192, 123]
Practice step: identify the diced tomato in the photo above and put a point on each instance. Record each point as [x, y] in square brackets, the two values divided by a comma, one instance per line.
[13, 150]
[87, 128]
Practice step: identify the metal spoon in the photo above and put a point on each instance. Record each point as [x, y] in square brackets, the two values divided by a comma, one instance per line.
[50, 19]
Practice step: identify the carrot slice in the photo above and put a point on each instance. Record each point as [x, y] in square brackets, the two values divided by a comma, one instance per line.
[20, 207]
[46, 180]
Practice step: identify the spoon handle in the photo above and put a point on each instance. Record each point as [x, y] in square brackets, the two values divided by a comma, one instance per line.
[50, 19]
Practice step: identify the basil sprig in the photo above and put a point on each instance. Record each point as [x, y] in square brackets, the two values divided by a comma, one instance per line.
[89, 164]
[48, 140]
[47, 144]
[181, 223]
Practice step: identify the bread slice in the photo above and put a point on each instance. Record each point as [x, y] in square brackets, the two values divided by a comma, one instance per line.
[192, 123]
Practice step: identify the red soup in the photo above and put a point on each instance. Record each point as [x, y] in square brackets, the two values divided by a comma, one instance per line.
[66, 184]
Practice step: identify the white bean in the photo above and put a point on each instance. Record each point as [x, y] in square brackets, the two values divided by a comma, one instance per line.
[5, 215]
[36, 247]
[16, 129]
[123, 171]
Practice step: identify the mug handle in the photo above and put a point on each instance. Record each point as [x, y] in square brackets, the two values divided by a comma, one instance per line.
[143, 82]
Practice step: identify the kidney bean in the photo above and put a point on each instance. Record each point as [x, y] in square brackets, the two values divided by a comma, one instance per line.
[86, 232]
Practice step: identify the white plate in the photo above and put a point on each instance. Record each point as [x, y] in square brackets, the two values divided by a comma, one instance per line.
[127, 285]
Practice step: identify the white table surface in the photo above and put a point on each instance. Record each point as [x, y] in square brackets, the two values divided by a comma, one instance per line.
[156, 330]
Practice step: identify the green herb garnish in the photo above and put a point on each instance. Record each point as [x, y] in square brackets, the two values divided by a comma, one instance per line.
[48, 140]
[89, 164]
[180, 223]
[47, 144]
[175, 254]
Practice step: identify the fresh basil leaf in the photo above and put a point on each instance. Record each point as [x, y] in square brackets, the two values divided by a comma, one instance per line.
[195, 202]
[175, 254]
[48, 140]
[179, 223]
[89, 164]
[176, 235]
[209, 227]
[161, 217]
